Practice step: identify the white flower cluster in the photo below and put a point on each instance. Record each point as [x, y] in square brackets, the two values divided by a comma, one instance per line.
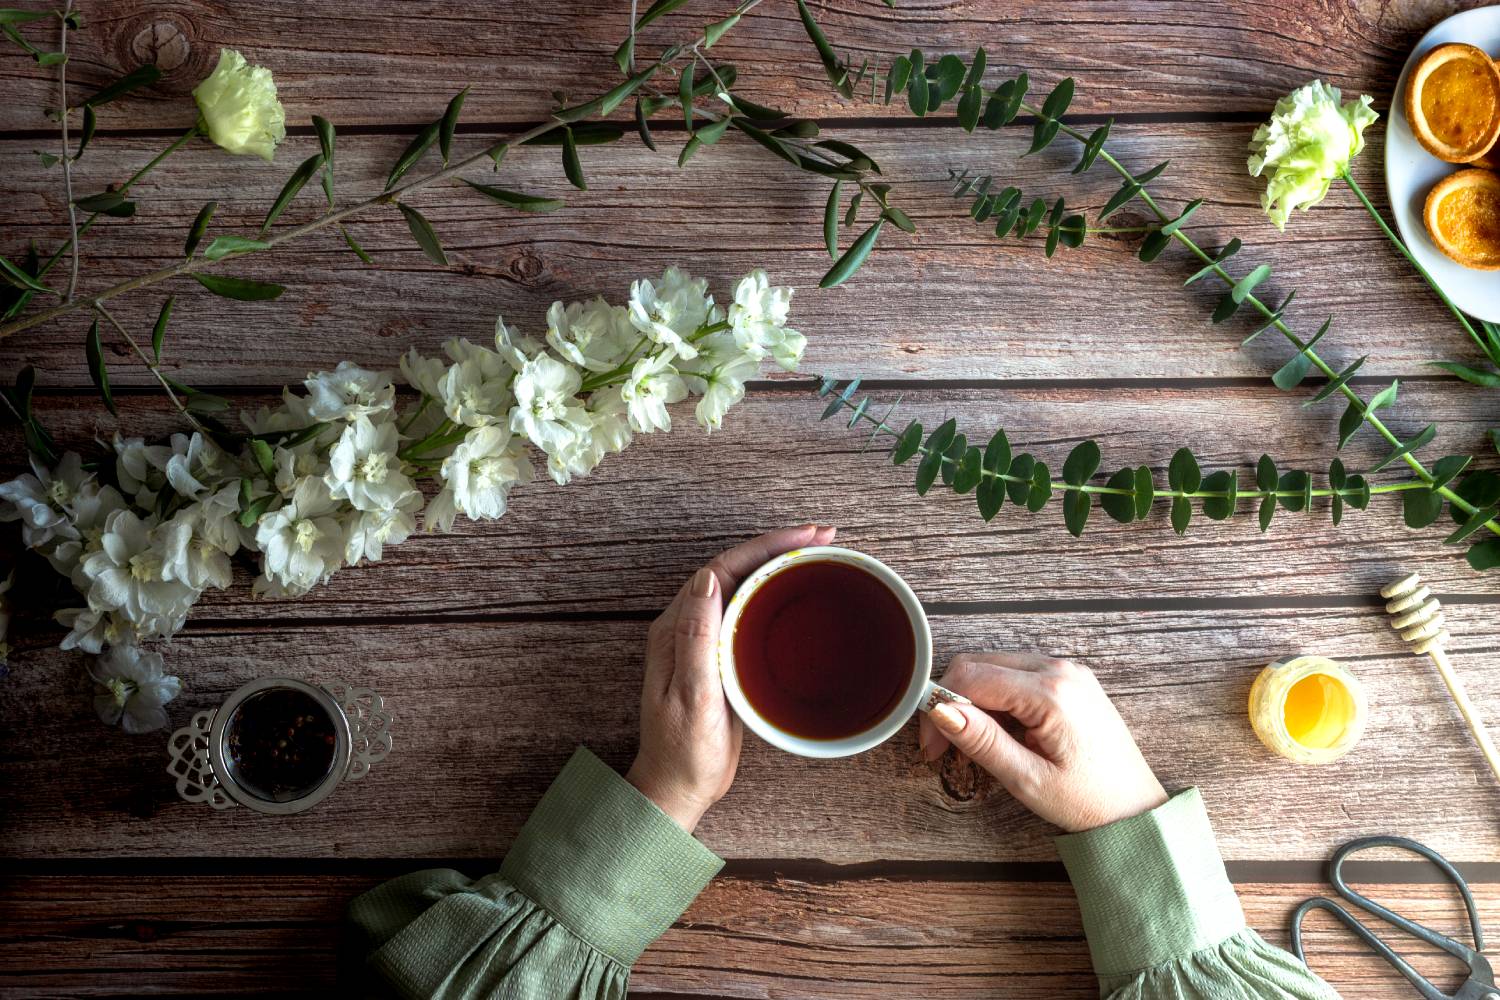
[330, 477]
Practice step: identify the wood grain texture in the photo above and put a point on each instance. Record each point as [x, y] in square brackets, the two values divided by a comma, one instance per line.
[623, 540]
[950, 302]
[97, 936]
[486, 713]
[377, 64]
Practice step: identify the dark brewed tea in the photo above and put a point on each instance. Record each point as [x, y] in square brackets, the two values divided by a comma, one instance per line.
[824, 650]
[281, 744]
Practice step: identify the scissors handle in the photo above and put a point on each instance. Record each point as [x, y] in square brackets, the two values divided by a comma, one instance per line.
[1424, 987]
[1452, 947]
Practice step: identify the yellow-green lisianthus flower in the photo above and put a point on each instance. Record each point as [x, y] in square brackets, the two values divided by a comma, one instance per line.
[1310, 139]
[238, 108]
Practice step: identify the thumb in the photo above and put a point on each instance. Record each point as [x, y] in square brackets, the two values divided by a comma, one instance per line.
[976, 734]
[697, 637]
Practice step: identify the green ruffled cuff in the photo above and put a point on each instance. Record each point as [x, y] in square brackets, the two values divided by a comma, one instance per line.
[596, 875]
[606, 861]
[1152, 888]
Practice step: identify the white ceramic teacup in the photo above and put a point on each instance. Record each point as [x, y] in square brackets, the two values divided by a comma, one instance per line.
[921, 692]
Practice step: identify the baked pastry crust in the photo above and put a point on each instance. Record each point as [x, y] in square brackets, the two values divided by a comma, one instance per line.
[1453, 102]
[1462, 215]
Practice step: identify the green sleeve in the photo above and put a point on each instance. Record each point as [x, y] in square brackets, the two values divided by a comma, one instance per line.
[1162, 919]
[596, 875]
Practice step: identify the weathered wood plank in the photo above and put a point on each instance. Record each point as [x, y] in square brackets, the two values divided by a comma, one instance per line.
[89, 936]
[487, 712]
[951, 302]
[620, 541]
[378, 64]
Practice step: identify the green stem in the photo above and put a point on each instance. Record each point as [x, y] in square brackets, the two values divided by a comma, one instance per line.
[88, 223]
[1463, 320]
[1267, 312]
[421, 408]
[436, 439]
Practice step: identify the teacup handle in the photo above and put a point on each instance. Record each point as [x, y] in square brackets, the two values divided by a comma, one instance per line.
[937, 693]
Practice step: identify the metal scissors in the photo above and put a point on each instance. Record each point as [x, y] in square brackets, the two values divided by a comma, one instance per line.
[1481, 982]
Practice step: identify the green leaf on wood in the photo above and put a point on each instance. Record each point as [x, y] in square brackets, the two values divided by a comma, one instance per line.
[517, 200]
[409, 157]
[243, 289]
[159, 331]
[141, 76]
[449, 123]
[853, 257]
[199, 228]
[223, 246]
[423, 233]
[97, 369]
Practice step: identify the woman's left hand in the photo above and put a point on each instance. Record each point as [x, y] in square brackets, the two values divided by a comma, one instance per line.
[690, 737]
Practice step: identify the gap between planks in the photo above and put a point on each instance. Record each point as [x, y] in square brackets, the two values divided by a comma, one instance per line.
[889, 122]
[806, 870]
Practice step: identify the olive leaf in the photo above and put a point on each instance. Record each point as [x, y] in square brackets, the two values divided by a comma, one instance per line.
[98, 371]
[243, 289]
[423, 233]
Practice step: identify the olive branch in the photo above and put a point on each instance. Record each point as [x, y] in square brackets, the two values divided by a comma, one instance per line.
[1474, 501]
[703, 94]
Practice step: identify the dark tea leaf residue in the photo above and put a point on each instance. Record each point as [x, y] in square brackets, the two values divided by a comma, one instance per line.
[824, 650]
[280, 744]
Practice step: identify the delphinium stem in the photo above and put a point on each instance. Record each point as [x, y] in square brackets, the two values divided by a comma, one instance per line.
[1267, 312]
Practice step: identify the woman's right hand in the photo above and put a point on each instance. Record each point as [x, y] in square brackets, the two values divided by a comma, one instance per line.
[1077, 766]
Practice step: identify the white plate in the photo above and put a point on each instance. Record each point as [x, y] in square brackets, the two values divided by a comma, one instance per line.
[1411, 172]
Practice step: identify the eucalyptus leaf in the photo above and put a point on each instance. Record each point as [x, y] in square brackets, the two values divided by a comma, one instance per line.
[1267, 513]
[1041, 488]
[1294, 487]
[1407, 447]
[907, 444]
[997, 455]
[1475, 521]
[1183, 473]
[1093, 147]
[1145, 492]
[1420, 508]
[990, 496]
[1120, 507]
[1182, 514]
[1076, 506]
[1018, 488]
[1220, 508]
[1246, 285]
[1448, 468]
[1485, 555]
[1265, 474]
[1081, 464]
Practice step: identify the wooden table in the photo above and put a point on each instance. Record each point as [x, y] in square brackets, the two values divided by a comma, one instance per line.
[502, 646]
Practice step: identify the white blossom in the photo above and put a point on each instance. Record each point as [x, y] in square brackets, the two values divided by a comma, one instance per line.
[671, 310]
[478, 477]
[40, 501]
[140, 469]
[199, 540]
[593, 335]
[302, 543]
[421, 372]
[374, 529]
[92, 630]
[475, 390]
[720, 387]
[348, 392]
[125, 576]
[195, 465]
[758, 318]
[132, 689]
[652, 385]
[547, 409]
[363, 467]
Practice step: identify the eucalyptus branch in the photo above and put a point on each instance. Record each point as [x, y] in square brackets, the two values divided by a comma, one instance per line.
[997, 472]
[1474, 502]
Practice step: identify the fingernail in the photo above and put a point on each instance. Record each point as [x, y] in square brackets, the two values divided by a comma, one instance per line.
[704, 583]
[948, 719]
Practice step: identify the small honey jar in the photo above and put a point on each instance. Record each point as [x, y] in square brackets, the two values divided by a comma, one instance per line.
[1308, 709]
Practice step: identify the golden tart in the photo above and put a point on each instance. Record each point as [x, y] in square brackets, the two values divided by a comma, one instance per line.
[1490, 160]
[1462, 215]
[1453, 102]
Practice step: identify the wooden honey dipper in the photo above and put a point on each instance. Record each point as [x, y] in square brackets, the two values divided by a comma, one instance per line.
[1418, 617]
